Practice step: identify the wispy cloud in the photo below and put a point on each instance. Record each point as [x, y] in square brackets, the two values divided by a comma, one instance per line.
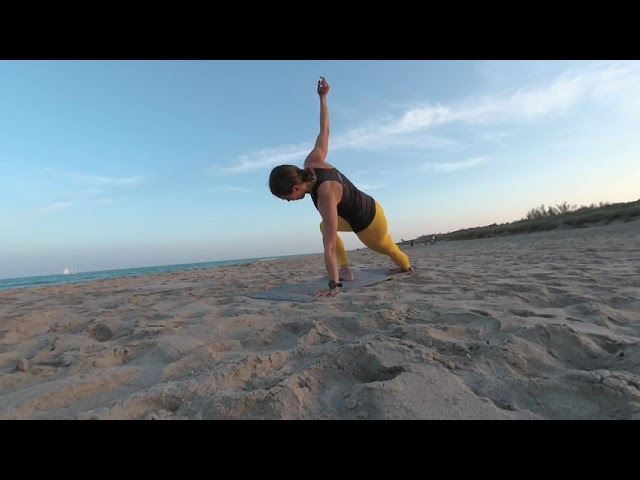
[220, 220]
[367, 187]
[77, 189]
[98, 181]
[604, 81]
[266, 158]
[57, 206]
[376, 172]
[451, 166]
[233, 189]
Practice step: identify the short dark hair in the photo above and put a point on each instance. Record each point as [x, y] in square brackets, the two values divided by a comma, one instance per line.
[284, 177]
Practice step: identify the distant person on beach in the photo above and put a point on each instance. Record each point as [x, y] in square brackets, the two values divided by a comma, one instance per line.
[342, 206]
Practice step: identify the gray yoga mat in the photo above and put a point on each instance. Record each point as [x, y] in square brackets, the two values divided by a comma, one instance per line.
[303, 291]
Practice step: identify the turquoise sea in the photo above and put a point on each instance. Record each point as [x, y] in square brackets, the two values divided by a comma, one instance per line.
[44, 280]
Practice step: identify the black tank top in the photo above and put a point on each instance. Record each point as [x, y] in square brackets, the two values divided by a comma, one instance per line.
[356, 207]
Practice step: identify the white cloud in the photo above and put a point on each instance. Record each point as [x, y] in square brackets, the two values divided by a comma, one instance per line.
[605, 81]
[290, 154]
[57, 206]
[366, 187]
[97, 181]
[76, 188]
[451, 166]
[233, 189]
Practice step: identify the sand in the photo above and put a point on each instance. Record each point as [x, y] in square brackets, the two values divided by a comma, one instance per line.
[537, 326]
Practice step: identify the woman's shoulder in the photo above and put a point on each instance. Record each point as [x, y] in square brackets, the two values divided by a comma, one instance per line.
[318, 165]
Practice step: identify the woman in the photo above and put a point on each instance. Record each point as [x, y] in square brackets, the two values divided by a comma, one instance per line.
[342, 206]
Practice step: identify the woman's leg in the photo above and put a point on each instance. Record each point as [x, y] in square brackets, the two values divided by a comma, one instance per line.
[377, 238]
[341, 252]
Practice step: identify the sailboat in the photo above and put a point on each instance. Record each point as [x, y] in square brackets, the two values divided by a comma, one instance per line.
[68, 271]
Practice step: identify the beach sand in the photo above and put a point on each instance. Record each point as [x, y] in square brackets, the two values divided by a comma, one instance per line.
[537, 326]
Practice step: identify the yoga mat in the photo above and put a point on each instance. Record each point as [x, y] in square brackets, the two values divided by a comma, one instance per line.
[303, 291]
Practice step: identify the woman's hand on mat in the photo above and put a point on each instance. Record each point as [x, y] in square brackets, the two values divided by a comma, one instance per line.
[327, 293]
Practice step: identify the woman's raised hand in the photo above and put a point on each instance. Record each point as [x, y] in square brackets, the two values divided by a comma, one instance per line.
[323, 86]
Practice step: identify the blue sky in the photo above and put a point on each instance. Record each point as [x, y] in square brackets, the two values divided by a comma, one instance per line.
[118, 164]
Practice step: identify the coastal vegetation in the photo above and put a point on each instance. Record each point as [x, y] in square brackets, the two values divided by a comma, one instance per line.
[562, 216]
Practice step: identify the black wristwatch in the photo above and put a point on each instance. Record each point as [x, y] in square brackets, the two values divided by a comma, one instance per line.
[333, 284]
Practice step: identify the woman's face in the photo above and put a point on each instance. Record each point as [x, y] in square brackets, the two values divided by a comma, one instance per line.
[297, 193]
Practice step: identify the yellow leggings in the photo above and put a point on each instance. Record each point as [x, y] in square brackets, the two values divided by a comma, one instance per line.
[375, 236]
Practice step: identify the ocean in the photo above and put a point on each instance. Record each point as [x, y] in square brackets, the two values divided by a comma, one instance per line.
[45, 280]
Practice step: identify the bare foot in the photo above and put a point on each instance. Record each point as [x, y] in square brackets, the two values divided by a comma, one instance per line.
[393, 271]
[346, 273]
